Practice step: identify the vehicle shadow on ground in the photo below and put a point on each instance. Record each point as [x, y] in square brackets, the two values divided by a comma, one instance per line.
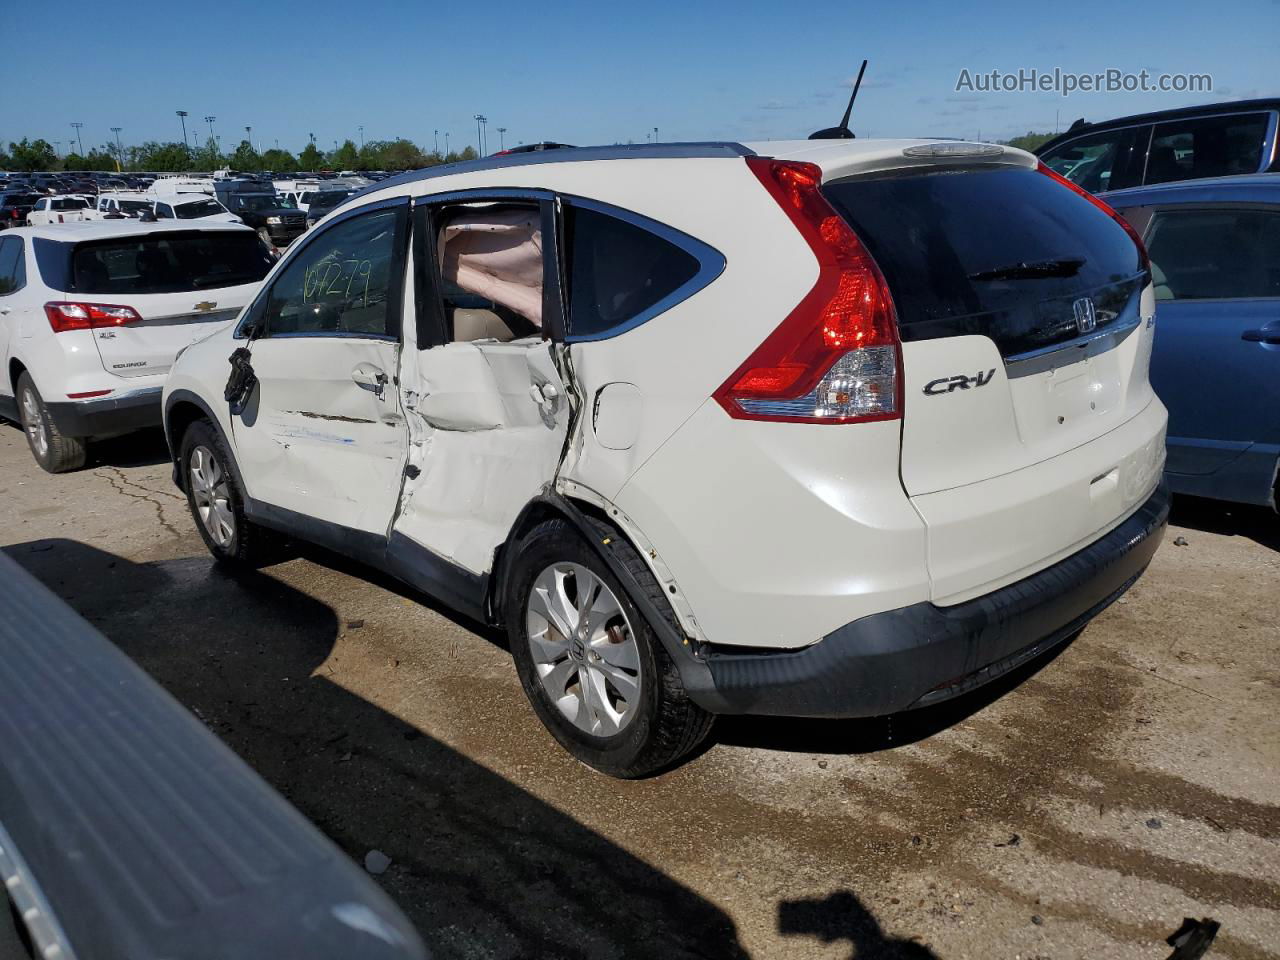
[841, 917]
[874, 734]
[1259, 524]
[482, 867]
[143, 448]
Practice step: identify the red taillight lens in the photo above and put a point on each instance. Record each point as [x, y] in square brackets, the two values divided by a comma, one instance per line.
[835, 358]
[65, 316]
[1105, 208]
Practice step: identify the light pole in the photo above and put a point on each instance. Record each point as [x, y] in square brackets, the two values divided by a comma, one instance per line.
[77, 125]
[57, 148]
[435, 134]
[361, 130]
[182, 115]
[502, 139]
[119, 149]
[209, 121]
[655, 134]
[446, 144]
[480, 122]
[248, 136]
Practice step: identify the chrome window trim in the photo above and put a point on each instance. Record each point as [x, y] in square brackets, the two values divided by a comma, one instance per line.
[1115, 329]
[47, 935]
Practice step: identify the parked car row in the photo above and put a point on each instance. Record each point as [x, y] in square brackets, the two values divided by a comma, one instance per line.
[564, 397]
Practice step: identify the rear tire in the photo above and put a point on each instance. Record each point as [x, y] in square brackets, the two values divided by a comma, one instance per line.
[54, 451]
[216, 499]
[609, 692]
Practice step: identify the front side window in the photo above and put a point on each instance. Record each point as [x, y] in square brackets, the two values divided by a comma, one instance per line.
[618, 271]
[1108, 160]
[42, 204]
[1206, 147]
[1215, 254]
[164, 211]
[344, 282]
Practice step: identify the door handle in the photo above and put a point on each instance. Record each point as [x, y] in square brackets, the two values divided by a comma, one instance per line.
[370, 377]
[4, 311]
[1264, 335]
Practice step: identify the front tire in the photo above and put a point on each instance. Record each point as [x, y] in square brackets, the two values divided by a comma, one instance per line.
[594, 670]
[55, 452]
[216, 500]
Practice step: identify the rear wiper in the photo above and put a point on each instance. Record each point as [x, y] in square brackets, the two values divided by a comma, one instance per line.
[1032, 271]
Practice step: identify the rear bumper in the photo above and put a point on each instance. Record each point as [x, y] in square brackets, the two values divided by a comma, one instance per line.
[110, 415]
[923, 654]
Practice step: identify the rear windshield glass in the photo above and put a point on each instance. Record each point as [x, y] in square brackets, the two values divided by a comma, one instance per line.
[134, 206]
[1001, 252]
[201, 208]
[164, 263]
[330, 198]
[66, 203]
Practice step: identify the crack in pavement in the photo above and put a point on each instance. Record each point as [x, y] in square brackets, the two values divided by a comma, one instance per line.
[120, 481]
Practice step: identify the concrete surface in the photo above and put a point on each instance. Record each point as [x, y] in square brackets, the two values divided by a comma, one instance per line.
[1079, 809]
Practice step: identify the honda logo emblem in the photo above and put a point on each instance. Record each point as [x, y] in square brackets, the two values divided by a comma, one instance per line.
[1086, 315]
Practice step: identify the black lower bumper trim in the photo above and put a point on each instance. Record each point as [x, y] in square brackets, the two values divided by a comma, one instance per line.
[110, 415]
[923, 654]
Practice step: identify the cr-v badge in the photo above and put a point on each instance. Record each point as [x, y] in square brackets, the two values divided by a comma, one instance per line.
[943, 385]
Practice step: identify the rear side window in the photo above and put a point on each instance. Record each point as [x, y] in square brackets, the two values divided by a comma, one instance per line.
[1207, 147]
[999, 251]
[167, 263]
[1108, 160]
[619, 273]
[1215, 254]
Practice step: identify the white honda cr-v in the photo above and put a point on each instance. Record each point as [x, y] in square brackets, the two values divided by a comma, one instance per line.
[826, 428]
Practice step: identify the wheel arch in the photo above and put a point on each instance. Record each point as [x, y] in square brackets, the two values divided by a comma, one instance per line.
[181, 409]
[587, 518]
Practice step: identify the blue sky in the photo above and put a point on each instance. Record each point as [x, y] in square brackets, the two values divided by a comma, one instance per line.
[593, 72]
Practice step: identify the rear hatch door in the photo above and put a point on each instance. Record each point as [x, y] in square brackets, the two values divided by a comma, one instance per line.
[178, 282]
[1022, 309]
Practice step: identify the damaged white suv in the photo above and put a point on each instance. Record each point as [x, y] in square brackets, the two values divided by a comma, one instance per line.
[827, 428]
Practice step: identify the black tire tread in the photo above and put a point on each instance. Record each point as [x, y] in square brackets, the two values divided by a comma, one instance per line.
[255, 546]
[683, 724]
[65, 453]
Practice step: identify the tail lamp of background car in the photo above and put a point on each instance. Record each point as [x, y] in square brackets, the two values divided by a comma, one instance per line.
[1105, 208]
[64, 316]
[836, 358]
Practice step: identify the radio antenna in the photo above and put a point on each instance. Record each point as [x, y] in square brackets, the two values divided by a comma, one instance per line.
[842, 132]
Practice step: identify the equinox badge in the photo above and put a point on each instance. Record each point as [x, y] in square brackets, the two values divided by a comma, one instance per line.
[943, 385]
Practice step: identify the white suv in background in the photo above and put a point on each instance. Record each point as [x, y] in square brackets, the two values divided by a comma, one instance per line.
[825, 428]
[192, 206]
[92, 314]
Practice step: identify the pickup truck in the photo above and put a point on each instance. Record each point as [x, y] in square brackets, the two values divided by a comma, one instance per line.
[57, 210]
[257, 205]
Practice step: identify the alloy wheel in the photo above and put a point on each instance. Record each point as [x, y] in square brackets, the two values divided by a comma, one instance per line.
[33, 421]
[584, 650]
[212, 496]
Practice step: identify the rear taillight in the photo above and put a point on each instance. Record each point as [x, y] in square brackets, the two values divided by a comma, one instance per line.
[1105, 208]
[65, 316]
[836, 357]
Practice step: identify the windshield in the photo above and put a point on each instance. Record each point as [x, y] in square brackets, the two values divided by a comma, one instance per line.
[170, 263]
[330, 198]
[255, 204]
[198, 209]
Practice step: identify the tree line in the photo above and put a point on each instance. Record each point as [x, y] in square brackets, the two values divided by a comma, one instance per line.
[154, 156]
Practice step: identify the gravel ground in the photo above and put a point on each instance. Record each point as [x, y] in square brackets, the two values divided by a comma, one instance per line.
[1080, 808]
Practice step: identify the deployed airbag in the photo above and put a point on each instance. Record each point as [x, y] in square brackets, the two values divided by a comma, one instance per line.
[496, 254]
